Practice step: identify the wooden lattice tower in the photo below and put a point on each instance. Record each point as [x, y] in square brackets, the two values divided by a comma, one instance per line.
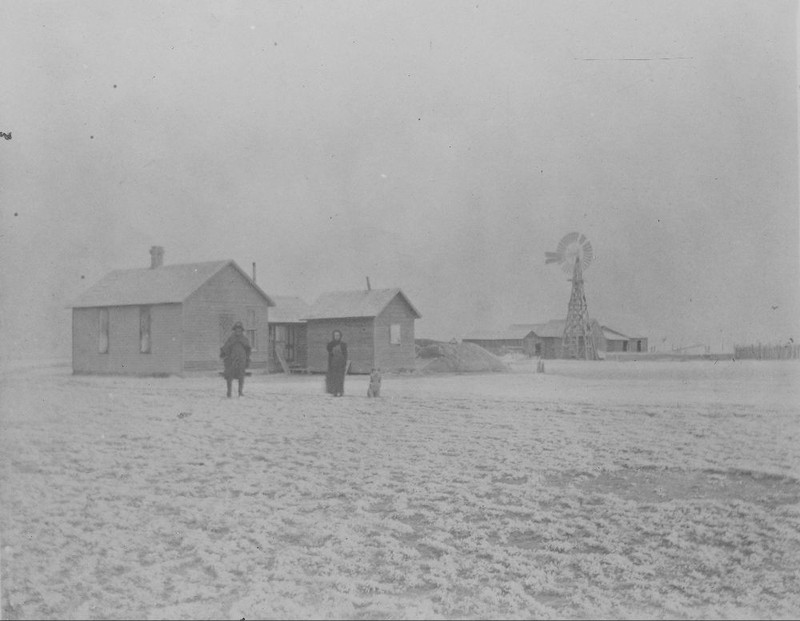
[578, 339]
[575, 253]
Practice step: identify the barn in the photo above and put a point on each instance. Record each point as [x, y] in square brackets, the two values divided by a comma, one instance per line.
[167, 319]
[515, 339]
[287, 333]
[376, 324]
[546, 339]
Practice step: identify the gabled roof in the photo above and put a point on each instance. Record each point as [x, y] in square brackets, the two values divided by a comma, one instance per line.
[514, 333]
[161, 285]
[364, 303]
[288, 309]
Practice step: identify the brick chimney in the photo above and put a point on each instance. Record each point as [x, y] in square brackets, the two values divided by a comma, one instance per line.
[156, 256]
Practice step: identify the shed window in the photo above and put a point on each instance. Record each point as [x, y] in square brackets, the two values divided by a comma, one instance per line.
[394, 334]
[144, 329]
[102, 331]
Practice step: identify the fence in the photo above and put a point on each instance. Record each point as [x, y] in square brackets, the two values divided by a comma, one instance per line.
[767, 352]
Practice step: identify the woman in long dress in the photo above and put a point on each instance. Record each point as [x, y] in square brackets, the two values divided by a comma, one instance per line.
[337, 365]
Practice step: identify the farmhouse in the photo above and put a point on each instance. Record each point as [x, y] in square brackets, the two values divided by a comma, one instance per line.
[287, 333]
[376, 324]
[167, 319]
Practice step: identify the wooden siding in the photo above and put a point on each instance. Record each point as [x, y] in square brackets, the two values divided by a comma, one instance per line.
[358, 333]
[616, 345]
[389, 357]
[123, 355]
[228, 294]
[637, 345]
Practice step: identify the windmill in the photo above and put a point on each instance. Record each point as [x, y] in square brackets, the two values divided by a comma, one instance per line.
[574, 253]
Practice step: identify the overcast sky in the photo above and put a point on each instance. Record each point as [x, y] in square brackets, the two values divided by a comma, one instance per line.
[440, 147]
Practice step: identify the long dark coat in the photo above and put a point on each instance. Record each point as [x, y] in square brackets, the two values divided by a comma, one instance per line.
[236, 353]
[337, 366]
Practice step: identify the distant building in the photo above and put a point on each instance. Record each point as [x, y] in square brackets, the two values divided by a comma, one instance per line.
[637, 344]
[376, 324]
[614, 341]
[288, 334]
[167, 319]
[520, 339]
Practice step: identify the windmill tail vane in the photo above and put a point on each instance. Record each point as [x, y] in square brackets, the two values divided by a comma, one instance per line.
[553, 257]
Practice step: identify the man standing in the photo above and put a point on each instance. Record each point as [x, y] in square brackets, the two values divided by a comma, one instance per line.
[236, 353]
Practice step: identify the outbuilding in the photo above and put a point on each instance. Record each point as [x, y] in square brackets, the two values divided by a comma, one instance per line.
[167, 319]
[288, 334]
[614, 341]
[519, 339]
[376, 324]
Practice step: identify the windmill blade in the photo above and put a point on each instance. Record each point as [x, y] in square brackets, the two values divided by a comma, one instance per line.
[568, 239]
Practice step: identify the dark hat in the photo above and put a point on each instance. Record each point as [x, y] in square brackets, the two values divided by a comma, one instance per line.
[239, 325]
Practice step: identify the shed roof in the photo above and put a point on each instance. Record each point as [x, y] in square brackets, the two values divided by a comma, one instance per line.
[288, 309]
[161, 285]
[364, 303]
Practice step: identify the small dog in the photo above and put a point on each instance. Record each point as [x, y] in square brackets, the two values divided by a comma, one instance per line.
[374, 389]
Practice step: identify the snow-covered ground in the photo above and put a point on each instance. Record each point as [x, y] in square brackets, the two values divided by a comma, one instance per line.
[632, 489]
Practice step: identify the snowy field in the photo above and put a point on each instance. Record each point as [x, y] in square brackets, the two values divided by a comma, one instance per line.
[611, 489]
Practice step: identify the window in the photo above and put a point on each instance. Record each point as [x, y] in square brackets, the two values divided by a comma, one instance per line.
[394, 334]
[144, 330]
[102, 331]
[251, 328]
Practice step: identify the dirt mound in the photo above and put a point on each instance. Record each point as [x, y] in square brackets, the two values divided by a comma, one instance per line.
[459, 358]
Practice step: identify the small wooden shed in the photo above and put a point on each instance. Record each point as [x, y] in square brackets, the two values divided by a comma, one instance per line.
[288, 334]
[167, 319]
[376, 324]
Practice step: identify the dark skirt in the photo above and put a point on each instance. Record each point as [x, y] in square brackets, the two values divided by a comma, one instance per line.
[334, 379]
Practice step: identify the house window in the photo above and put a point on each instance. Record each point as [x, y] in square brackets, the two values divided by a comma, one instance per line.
[251, 329]
[394, 334]
[102, 331]
[144, 330]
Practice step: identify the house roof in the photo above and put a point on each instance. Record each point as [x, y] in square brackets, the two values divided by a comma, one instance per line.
[514, 333]
[288, 309]
[364, 303]
[162, 285]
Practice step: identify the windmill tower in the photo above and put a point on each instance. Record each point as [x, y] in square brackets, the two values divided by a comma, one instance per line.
[574, 253]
